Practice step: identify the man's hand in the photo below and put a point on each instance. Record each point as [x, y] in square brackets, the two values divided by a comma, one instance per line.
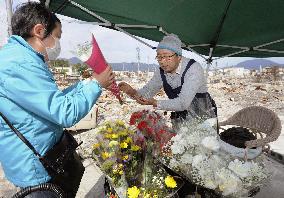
[144, 101]
[126, 88]
[106, 78]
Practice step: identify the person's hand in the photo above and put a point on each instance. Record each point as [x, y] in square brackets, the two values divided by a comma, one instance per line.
[144, 101]
[86, 74]
[126, 88]
[106, 78]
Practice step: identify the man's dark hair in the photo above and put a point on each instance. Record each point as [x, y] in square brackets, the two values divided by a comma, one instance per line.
[30, 14]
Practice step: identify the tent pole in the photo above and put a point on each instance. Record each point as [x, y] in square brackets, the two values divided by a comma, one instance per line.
[268, 50]
[141, 41]
[209, 61]
[232, 54]
[219, 29]
[232, 46]
[270, 43]
[208, 65]
[257, 48]
[189, 48]
[199, 45]
[136, 26]
[89, 12]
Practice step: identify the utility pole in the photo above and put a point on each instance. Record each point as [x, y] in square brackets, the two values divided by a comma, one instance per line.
[9, 15]
[148, 66]
[138, 58]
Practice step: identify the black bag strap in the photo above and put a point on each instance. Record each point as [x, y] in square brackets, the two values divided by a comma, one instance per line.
[20, 135]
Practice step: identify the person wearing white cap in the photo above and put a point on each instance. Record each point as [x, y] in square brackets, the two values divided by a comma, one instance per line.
[183, 81]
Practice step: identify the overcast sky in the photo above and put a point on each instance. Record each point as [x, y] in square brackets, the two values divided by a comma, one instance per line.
[116, 46]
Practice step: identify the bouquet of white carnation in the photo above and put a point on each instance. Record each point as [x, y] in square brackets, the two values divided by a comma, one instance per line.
[195, 152]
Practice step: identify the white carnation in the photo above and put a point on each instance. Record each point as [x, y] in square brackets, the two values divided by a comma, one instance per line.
[193, 140]
[241, 169]
[186, 158]
[211, 143]
[179, 144]
[228, 182]
[183, 129]
[209, 183]
[197, 159]
[177, 138]
[177, 148]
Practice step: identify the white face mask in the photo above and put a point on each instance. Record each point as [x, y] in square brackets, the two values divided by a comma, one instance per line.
[53, 52]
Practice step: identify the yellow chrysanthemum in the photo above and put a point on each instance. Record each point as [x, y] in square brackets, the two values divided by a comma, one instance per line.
[121, 172]
[135, 148]
[109, 130]
[120, 122]
[108, 136]
[130, 131]
[128, 140]
[170, 182]
[125, 157]
[97, 145]
[122, 133]
[105, 155]
[120, 166]
[113, 143]
[114, 136]
[115, 171]
[123, 145]
[133, 192]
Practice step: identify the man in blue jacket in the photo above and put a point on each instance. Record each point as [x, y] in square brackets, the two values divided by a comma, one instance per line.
[30, 98]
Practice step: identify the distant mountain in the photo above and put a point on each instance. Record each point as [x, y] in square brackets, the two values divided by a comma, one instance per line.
[256, 63]
[74, 60]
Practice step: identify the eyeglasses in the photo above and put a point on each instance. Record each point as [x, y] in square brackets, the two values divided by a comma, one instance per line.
[160, 58]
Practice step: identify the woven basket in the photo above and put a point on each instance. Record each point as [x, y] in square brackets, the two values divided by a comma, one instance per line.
[263, 122]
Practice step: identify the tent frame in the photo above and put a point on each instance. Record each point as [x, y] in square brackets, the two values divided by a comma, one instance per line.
[213, 45]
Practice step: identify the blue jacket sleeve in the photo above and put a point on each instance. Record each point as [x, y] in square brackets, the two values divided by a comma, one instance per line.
[32, 88]
[72, 88]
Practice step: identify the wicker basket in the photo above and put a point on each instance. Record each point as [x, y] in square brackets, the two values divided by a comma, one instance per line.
[263, 122]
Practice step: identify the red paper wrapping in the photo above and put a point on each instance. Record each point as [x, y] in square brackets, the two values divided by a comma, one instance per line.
[98, 64]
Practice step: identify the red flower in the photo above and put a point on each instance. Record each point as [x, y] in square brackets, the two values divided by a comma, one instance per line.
[135, 117]
[163, 136]
[132, 120]
[142, 125]
[150, 131]
[159, 134]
